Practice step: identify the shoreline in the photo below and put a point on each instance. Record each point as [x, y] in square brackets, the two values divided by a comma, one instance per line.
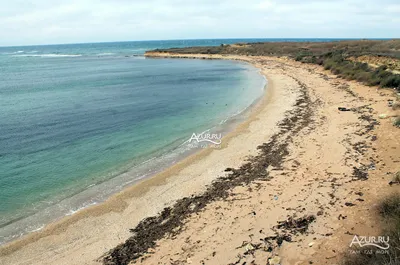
[285, 200]
[229, 125]
[116, 202]
[297, 216]
[171, 222]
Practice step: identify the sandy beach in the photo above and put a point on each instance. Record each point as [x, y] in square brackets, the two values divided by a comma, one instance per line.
[326, 166]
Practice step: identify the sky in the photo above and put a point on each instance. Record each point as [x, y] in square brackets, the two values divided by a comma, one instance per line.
[29, 22]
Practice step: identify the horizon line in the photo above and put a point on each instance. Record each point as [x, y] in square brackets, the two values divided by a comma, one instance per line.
[190, 39]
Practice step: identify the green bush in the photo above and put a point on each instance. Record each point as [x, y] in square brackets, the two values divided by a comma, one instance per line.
[396, 122]
[363, 77]
[299, 57]
[374, 81]
[390, 207]
[337, 63]
[391, 81]
[305, 56]
[329, 64]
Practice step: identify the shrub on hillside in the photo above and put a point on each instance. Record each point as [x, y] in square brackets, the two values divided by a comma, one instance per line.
[396, 122]
[391, 81]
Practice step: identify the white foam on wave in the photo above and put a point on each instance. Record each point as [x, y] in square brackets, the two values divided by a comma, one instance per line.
[73, 211]
[10, 53]
[37, 229]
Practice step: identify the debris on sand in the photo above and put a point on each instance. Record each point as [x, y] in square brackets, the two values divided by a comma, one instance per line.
[249, 249]
[343, 109]
[360, 174]
[393, 182]
[366, 116]
[396, 179]
[299, 225]
[342, 217]
[276, 241]
[170, 221]
[274, 261]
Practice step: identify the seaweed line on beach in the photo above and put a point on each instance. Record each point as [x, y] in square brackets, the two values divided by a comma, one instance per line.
[170, 221]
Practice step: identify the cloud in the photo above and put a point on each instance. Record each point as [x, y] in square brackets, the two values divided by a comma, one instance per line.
[69, 21]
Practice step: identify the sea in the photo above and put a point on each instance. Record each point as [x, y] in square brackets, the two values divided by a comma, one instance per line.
[80, 122]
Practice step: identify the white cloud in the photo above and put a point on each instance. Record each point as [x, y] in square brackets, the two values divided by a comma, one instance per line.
[67, 21]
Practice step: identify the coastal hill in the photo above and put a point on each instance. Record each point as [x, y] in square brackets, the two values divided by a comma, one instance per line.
[390, 48]
[372, 62]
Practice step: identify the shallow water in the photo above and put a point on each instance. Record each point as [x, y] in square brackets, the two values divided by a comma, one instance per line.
[78, 123]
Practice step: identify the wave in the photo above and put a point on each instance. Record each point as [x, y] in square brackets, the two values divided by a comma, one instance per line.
[48, 55]
[105, 54]
[11, 53]
[73, 211]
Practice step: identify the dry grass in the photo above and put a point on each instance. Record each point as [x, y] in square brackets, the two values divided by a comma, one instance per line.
[389, 48]
[389, 210]
[393, 64]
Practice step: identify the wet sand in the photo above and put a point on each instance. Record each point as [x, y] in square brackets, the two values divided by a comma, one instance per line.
[318, 148]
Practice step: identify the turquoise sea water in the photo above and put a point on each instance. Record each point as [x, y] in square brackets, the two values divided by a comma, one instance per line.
[80, 122]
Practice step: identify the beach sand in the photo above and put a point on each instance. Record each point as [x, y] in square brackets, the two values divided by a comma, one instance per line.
[315, 177]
